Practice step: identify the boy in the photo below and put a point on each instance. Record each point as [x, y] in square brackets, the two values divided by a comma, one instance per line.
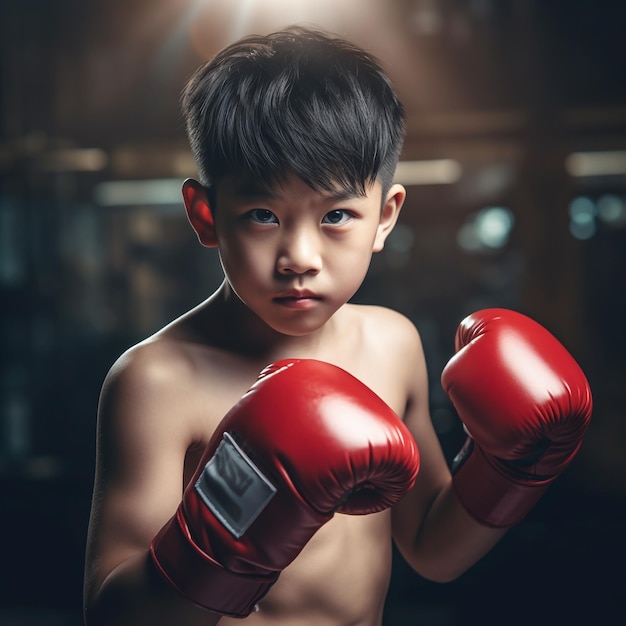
[283, 512]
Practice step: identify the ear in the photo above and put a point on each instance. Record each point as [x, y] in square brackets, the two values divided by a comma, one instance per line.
[389, 215]
[199, 212]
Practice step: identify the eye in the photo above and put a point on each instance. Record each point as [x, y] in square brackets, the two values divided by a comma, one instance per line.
[262, 216]
[337, 216]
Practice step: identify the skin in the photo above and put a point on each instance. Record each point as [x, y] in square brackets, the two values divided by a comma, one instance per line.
[292, 260]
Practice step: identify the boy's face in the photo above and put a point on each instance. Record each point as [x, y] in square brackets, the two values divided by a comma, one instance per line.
[296, 255]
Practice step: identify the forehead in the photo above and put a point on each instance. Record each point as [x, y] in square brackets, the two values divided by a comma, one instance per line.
[246, 188]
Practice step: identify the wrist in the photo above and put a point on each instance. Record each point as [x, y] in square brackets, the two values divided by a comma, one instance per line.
[200, 578]
[494, 492]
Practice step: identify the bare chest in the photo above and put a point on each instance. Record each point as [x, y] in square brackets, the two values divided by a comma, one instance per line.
[341, 577]
[217, 399]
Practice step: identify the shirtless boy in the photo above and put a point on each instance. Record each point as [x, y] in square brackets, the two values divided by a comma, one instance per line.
[284, 511]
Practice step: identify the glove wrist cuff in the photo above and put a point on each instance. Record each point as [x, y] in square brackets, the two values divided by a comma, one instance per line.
[492, 493]
[199, 578]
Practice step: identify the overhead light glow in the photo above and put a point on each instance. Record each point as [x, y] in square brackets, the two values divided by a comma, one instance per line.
[586, 164]
[432, 172]
[74, 160]
[128, 193]
[245, 16]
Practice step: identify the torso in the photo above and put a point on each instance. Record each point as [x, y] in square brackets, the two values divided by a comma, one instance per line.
[342, 575]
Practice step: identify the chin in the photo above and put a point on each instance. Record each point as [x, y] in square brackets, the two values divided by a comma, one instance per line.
[290, 331]
[297, 330]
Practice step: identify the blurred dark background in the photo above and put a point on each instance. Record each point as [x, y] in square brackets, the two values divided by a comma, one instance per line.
[515, 165]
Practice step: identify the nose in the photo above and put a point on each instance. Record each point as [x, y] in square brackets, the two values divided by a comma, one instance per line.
[300, 253]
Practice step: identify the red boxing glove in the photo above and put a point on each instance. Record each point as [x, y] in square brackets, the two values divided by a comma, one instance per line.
[307, 440]
[525, 404]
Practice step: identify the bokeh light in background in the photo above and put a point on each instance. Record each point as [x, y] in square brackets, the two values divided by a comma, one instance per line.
[515, 165]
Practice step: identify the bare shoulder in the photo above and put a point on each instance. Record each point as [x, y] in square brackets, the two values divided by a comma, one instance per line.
[146, 381]
[386, 354]
[167, 394]
[158, 363]
[388, 323]
[389, 331]
[148, 364]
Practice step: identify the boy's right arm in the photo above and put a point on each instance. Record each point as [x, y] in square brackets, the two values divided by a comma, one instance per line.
[138, 483]
[276, 469]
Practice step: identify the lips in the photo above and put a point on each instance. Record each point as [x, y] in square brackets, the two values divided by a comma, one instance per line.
[296, 298]
[297, 293]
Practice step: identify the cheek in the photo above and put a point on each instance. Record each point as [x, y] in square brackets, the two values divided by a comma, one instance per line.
[243, 261]
[349, 270]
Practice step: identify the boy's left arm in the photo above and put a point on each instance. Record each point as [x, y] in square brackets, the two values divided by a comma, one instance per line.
[431, 529]
[526, 405]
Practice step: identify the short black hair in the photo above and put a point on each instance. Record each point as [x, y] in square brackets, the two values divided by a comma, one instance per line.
[296, 102]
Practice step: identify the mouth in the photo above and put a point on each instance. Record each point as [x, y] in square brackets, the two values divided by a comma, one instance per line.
[296, 299]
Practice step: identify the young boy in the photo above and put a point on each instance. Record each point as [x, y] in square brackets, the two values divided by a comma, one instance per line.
[283, 512]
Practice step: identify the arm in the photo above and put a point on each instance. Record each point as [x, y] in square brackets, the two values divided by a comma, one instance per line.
[275, 470]
[138, 484]
[432, 531]
[526, 405]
